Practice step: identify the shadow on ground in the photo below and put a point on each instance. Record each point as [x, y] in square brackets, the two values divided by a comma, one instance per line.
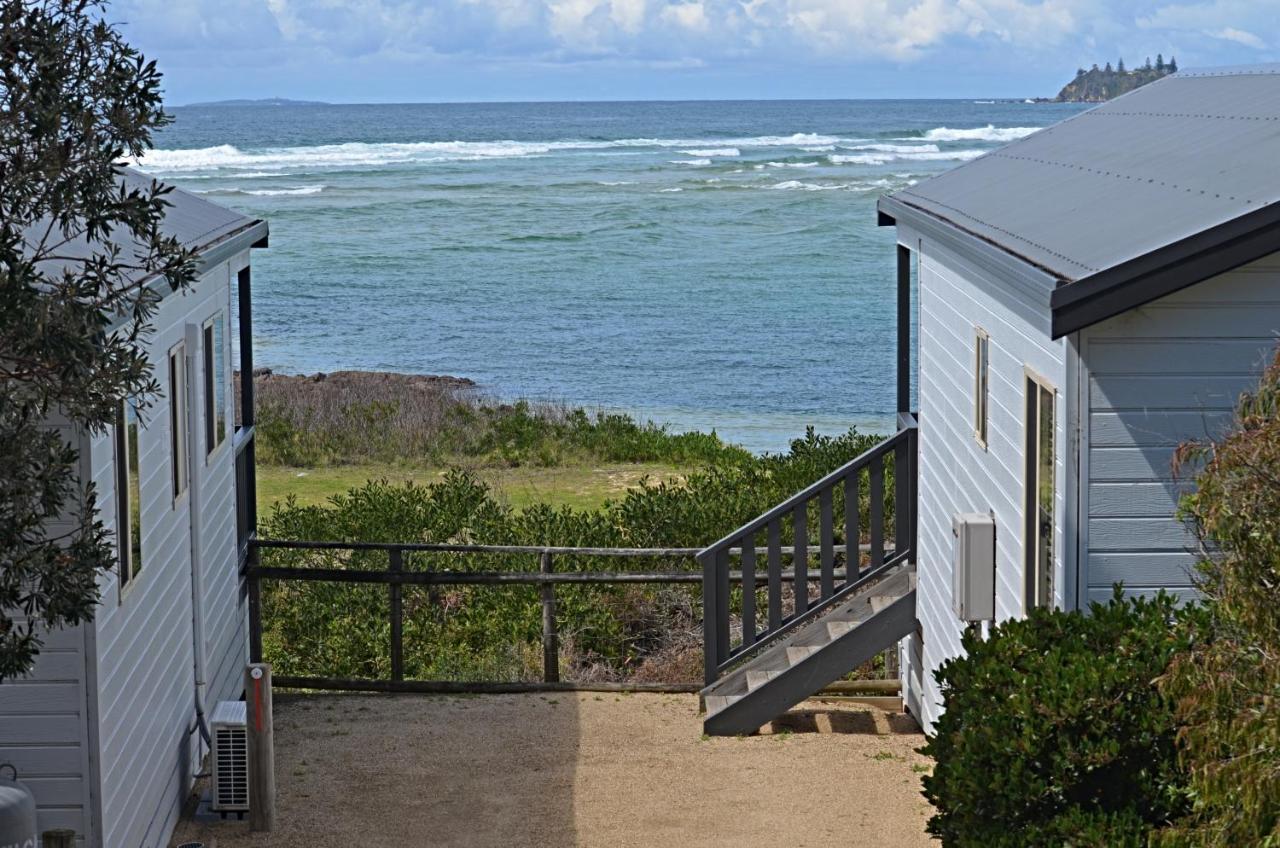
[581, 769]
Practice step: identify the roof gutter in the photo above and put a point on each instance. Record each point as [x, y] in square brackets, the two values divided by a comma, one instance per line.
[1168, 269]
[254, 234]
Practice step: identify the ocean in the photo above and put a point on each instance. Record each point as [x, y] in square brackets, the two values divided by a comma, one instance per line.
[707, 265]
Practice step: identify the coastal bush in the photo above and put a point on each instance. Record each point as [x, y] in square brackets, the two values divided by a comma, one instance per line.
[1227, 685]
[351, 417]
[1055, 732]
[483, 632]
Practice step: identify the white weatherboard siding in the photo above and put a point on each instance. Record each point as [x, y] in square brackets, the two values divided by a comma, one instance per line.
[44, 716]
[1157, 376]
[146, 700]
[956, 473]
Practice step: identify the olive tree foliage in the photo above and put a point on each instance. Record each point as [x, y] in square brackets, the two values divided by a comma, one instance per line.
[80, 254]
[1228, 685]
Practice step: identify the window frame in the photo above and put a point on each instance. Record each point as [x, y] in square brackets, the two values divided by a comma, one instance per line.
[129, 560]
[179, 422]
[981, 387]
[1034, 594]
[213, 358]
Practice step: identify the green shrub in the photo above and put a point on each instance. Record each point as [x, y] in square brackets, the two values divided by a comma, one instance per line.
[1228, 684]
[478, 632]
[1055, 732]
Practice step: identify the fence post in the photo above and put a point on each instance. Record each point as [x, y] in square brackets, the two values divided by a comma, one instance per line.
[396, 556]
[710, 646]
[262, 757]
[254, 590]
[550, 640]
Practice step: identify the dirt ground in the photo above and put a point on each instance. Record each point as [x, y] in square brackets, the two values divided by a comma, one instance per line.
[581, 769]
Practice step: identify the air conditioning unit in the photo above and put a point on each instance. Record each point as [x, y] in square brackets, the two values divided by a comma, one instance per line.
[230, 756]
[973, 566]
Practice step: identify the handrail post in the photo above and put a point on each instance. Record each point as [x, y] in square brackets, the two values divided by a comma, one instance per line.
[903, 493]
[710, 614]
[253, 590]
[550, 639]
[395, 590]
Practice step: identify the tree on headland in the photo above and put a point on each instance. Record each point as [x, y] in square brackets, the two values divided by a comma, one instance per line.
[1120, 66]
[1159, 62]
[1108, 69]
[1173, 65]
[75, 99]
[1147, 66]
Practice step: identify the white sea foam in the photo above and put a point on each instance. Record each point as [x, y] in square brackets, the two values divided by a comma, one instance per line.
[226, 157]
[822, 148]
[895, 148]
[988, 133]
[669, 190]
[791, 164]
[872, 158]
[267, 192]
[615, 182]
[796, 185]
[695, 162]
[713, 151]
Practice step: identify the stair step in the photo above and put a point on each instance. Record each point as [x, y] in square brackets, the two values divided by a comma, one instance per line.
[879, 602]
[798, 653]
[839, 628]
[716, 703]
[756, 679]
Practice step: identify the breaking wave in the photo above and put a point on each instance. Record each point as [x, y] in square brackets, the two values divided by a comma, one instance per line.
[988, 133]
[713, 151]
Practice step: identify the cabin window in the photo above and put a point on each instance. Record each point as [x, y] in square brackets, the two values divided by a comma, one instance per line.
[981, 384]
[1039, 497]
[178, 418]
[128, 492]
[215, 383]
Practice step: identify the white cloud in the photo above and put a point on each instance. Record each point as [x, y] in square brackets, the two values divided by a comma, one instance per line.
[691, 16]
[1240, 36]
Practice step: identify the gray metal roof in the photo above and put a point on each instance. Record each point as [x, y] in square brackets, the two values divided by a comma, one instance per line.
[1133, 188]
[206, 229]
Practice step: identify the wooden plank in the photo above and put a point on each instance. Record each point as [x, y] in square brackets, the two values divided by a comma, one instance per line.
[464, 687]
[1136, 500]
[748, 590]
[800, 556]
[852, 533]
[1146, 568]
[826, 541]
[1170, 391]
[876, 493]
[18, 697]
[262, 760]
[710, 648]
[1196, 356]
[722, 603]
[1155, 427]
[395, 566]
[775, 574]
[40, 729]
[550, 638]
[1130, 464]
[43, 760]
[1144, 534]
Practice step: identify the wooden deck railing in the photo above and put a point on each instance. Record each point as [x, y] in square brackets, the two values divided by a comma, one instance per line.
[793, 517]
[396, 576]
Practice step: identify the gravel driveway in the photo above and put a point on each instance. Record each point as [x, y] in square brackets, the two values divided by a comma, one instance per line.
[581, 769]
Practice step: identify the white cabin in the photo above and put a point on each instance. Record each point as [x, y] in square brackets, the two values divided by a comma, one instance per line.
[1088, 298]
[104, 730]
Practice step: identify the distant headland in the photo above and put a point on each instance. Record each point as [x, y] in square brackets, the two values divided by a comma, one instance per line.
[1097, 85]
[265, 101]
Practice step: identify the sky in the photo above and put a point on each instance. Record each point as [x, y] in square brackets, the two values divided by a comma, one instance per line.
[380, 51]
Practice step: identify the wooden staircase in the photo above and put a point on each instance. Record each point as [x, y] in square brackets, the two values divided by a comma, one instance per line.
[865, 594]
[798, 666]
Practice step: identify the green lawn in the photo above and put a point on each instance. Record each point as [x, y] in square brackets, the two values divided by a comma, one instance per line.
[580, 486]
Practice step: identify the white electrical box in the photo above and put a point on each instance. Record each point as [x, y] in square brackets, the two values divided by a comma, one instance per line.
[973, 566]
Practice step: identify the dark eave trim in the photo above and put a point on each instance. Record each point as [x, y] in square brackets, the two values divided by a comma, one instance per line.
[1164, 271]
[968, 246]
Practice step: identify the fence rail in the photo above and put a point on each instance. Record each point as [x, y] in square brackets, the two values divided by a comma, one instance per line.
[395, 576]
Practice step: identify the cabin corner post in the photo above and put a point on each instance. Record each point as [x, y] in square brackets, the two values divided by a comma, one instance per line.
[904, 329]
[248, 414]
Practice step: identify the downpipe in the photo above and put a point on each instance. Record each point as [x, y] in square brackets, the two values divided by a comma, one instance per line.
[193, 503]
